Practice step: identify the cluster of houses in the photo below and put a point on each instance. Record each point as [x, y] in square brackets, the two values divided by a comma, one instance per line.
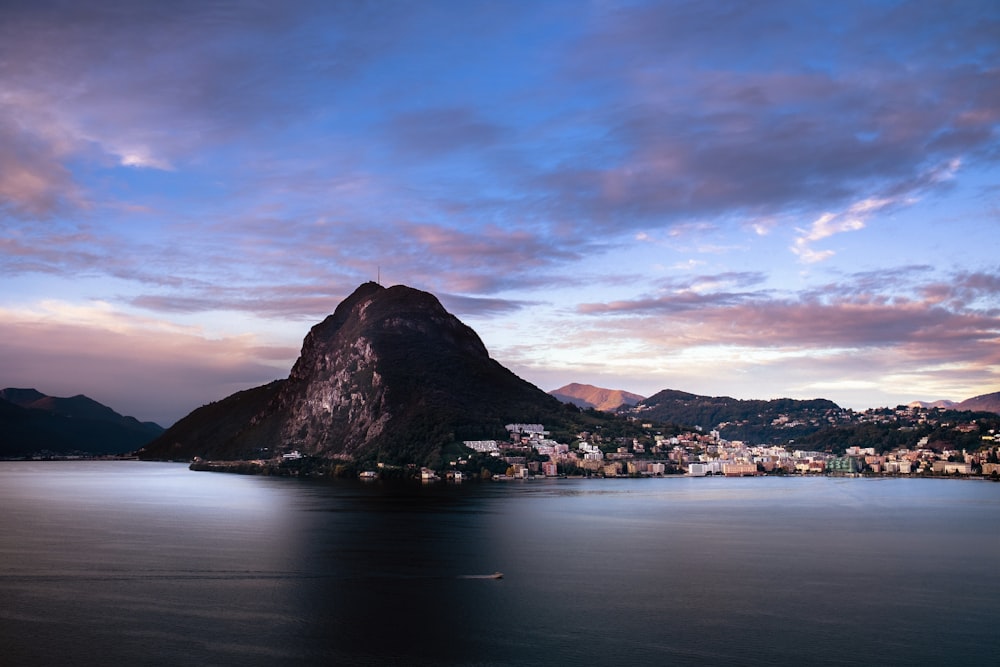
[530, 452]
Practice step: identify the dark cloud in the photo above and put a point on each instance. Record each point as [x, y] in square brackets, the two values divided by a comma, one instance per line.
[154, 84]
[465, 306]
[729, 108]
[428, 133]
[33, 181]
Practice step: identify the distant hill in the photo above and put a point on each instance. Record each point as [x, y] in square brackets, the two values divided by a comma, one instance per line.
[984, 403]
[761, 421]
[389, 376]
[932, 404]
[589, 396]
[33, 423]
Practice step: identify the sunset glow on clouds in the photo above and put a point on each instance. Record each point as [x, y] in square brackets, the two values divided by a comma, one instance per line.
[754, 199]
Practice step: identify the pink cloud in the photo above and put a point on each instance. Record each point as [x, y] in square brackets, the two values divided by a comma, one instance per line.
[847, 315]
[148, 373]
[33, 180]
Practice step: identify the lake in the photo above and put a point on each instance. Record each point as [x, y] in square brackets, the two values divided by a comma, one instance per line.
[150, 563]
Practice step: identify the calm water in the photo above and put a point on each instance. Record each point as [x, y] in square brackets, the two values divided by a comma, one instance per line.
[148, 563]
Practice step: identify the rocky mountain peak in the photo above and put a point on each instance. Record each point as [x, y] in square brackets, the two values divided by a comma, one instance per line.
[390, 375]
[337, 400]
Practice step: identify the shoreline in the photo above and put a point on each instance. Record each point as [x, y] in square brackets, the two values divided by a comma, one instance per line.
[339, 470]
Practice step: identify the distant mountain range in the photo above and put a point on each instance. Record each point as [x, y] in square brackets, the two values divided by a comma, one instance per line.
[932, 404]
[33, 423]
[775, 421]
[983, 403]
[760, 421]
[589, 396]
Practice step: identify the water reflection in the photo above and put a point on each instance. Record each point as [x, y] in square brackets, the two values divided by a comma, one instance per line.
[151, 563]
[391, 560]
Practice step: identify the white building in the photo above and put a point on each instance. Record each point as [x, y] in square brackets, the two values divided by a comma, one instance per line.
[697, 469]
[482, 446]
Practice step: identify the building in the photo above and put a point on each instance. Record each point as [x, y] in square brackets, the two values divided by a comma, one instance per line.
[739, 469]
[898, 467]
[482, 446]
[697, 469]
[951, 468]
[612, 469]
[844, 465]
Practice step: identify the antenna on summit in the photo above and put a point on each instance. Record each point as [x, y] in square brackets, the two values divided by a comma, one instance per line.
[378, 276]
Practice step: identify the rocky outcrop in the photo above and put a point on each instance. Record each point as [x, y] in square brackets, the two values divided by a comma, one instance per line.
[390, 375]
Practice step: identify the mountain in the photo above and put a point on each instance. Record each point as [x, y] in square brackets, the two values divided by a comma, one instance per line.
[983, 403]
[210, 431]
[761, 421]
[32, 423]
[389, 376]
[589, 396]
[932, 404]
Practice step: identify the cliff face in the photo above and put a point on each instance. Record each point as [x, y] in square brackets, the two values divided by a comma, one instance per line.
[389, 375]
[334, 400]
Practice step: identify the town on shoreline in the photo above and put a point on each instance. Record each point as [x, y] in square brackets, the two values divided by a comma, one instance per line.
[909, 441]
[529, 452]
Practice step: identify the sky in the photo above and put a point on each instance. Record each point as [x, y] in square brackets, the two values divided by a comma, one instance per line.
[754, 199]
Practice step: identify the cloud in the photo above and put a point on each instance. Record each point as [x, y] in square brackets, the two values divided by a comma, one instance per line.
[33, 181]
[295, 269]
[52, 251]
[141, 157]
[428, 133]
[152, 86]
[828, 224]
[763, 114]
[695, 293]
[298, 305]
[464, 306]
[146, 368]
[853, 314]
[475, 260]
[967, 290]
[203, 157]
[871, 338]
